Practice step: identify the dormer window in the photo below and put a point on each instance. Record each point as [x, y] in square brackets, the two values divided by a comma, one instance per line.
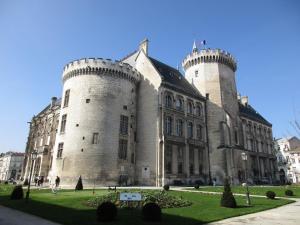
[199, 110]
[190, 108]
[179, 104]
[168, 101]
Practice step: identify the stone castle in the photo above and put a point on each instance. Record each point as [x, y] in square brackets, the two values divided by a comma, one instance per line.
[138, 121]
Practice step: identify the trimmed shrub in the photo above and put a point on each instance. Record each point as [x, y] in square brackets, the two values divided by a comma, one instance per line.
[79, 185]
[26, 182]
[271, 194]
[5, 182]
[151, 212]
[228, 199]
[196, 186]
[166, 187]
[289, 193]
[17, 193]
[107, 211]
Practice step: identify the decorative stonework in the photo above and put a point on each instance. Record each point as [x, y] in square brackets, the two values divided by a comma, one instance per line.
[209, 56]
[99, 66]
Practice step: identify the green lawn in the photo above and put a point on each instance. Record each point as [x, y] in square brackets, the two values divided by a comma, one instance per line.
[67, 207]
[257, 190]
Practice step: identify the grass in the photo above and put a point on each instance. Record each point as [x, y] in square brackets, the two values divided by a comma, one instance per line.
[67, 207]
[257, 190]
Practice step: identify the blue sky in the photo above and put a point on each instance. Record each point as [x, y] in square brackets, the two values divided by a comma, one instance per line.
[39, 37]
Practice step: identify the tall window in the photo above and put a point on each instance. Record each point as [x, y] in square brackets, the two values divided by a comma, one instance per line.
[190, 129]
[63, 123]
[199, 110]
[236, 137]
[180, 160]
[199, 132]
[190, 108]
[168, 101]
[124, 125]
[200, 155]
[191, 157]
[179, 104]
[168, 128]
[123, 149]
[179, 127]
[168, 159]
[60, 149]
[95, 138]
[67, 96]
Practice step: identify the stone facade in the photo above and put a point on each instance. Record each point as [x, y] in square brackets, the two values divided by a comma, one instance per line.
[42, 136]
[140, 121]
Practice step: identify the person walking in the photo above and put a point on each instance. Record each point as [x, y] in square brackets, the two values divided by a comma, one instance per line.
[57, 181]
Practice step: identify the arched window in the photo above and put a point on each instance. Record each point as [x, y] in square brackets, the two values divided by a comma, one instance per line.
[168, 159]
[179, 104]
[190, 130]
[179, 127]
[190, 108]
[199, 132]
[199, 110]
[168, 125]
[168, 101]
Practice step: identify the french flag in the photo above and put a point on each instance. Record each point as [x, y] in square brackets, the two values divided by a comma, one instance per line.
[203, 42]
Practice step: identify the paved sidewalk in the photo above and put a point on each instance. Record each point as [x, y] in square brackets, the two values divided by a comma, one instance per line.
[14, 217]
[284, 215]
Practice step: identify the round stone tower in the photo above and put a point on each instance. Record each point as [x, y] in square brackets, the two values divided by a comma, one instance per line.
[212, 72]
[95, 136]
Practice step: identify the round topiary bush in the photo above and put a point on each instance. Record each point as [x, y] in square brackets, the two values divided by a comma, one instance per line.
[196, 186]
[166, 187]
[107, 211]
[151, 212]
[289, 193]
[17, 193]
[271, 194]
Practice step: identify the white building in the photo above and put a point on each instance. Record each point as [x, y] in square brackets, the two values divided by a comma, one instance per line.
[288, 158]
[11, 165]
[138, 121]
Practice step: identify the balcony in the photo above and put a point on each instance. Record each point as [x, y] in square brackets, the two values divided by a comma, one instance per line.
[196, 142]
[173, 138]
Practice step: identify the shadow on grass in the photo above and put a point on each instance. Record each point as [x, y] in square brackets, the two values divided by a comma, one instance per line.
[244, 206]
[87, 216]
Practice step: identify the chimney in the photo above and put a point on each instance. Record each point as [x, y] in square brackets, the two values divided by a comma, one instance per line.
[244, 100]
[144, 46]
[53, 100]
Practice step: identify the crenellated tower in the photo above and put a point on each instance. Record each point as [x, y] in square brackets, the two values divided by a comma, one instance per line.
[212, 72]
[98, 115]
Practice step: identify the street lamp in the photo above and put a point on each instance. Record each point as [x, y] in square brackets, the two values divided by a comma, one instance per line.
[244, 158]
[33, 158]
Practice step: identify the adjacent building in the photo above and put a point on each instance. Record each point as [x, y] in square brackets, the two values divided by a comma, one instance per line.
[288, 158]
[11, 165]
[141, 121]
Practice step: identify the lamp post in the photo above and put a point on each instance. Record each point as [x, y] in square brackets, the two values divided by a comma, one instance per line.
[244, 158]
[33, 158]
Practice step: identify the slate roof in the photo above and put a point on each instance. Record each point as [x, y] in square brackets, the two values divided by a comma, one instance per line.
[249, 112]
[173, 79]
